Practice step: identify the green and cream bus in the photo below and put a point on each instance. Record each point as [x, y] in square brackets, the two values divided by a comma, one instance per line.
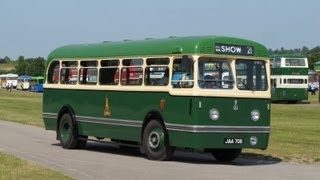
[205, 93]
[289, 78]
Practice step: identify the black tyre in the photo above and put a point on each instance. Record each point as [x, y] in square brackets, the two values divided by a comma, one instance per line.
[82, 142]
[156, 142]
[226, 155]
[68, 134]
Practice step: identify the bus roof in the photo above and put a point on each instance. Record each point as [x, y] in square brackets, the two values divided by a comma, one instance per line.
[166, 46]
[288, 56]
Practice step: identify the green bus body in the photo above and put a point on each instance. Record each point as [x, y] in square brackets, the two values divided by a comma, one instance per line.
[178, 110]
[185, 116]
[290, 95]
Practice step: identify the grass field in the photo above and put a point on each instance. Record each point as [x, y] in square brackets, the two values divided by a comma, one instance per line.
[295, 128]
[22, 107]
[14, 168]
[295, 132]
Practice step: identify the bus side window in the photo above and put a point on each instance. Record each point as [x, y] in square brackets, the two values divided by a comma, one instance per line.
[53, 73]
[68, 75]
[88, 72]
[69, 72]
[109, 76]
[132, 71]
[109, 72]
[182, 75]
[176, 77]
[88, 76]
[157, 76]
[157, 72]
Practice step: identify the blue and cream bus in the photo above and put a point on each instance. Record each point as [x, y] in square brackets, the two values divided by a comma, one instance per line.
[205, 93]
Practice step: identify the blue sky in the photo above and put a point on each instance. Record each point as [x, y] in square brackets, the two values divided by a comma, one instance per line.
[33, 28]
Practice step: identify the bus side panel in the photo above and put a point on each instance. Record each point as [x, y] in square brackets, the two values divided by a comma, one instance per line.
[109, 131]
[120, 115]
[89, 107]
[289, 94]
[112, 114]
[50, 123]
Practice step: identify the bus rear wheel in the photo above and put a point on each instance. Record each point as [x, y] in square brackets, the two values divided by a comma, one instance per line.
[225, 155]
[155, 142]
[68, 134]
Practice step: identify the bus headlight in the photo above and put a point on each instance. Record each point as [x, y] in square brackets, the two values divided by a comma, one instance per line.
[214, 114]
[255, 115]
[253, 140]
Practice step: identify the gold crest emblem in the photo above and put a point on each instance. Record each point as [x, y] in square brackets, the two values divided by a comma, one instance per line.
[107, 109]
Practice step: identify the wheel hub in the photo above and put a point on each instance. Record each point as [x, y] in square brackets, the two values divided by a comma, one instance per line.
[156, 139]
[65, 132]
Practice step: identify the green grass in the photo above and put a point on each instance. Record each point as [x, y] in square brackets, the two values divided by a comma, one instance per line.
[314, 99]
[295, 132]
[295, 128]
[21, 106]
[14, 168]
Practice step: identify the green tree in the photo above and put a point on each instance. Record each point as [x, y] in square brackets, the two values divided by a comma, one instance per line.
[304, 50]
[35, 66]
[7, 59]
[313, 56]
[30, 66]
[21, 66]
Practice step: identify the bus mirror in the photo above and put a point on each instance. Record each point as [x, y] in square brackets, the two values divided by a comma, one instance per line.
[186, 63]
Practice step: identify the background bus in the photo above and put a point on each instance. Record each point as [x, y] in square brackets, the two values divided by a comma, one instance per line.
[289, 78]
[23, 82]
[36, 84]
[204, 93]
[8, 79]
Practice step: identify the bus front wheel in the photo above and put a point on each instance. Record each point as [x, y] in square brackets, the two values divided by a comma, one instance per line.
[225, 155]
[155, 142]
[67, 132]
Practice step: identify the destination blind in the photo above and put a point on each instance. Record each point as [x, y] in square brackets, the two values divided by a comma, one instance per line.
[231, 49]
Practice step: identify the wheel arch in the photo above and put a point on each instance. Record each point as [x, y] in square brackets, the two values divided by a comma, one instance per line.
[152, 115]
[65, 109]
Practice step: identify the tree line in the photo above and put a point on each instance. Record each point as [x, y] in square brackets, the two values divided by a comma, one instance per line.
[313, 54]
[25, 66]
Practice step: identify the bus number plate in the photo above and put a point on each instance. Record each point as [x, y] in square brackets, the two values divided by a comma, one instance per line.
[233, 141]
